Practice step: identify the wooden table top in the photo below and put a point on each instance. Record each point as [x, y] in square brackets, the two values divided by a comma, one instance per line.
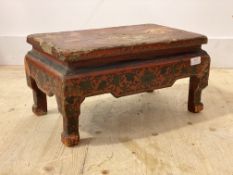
[83, 45]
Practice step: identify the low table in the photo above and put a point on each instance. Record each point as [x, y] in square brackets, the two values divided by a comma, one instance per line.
[120, 60]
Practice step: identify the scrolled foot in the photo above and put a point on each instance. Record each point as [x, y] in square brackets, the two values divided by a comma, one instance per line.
[196, 108]
[39, 111]
[70, 140]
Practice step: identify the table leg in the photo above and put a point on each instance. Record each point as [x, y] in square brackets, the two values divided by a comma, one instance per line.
[69, 107]
[196, 85]
[40, 102]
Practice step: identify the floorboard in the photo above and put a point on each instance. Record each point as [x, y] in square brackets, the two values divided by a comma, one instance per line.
[143, 134]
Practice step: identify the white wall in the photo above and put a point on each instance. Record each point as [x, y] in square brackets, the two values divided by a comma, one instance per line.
[19, 18]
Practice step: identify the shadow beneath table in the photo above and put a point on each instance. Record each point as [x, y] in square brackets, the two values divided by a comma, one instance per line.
[109, 120]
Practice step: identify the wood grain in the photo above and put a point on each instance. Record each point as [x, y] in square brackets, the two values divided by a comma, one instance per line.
[148, 133]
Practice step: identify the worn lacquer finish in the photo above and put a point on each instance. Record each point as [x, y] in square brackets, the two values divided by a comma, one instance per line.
[115, 44]
[47, 75]
[139, 77]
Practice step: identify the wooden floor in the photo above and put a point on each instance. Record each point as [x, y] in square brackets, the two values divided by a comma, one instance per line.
[148, 133]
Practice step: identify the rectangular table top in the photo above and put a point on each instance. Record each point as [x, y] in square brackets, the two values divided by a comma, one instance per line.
[120, 43]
